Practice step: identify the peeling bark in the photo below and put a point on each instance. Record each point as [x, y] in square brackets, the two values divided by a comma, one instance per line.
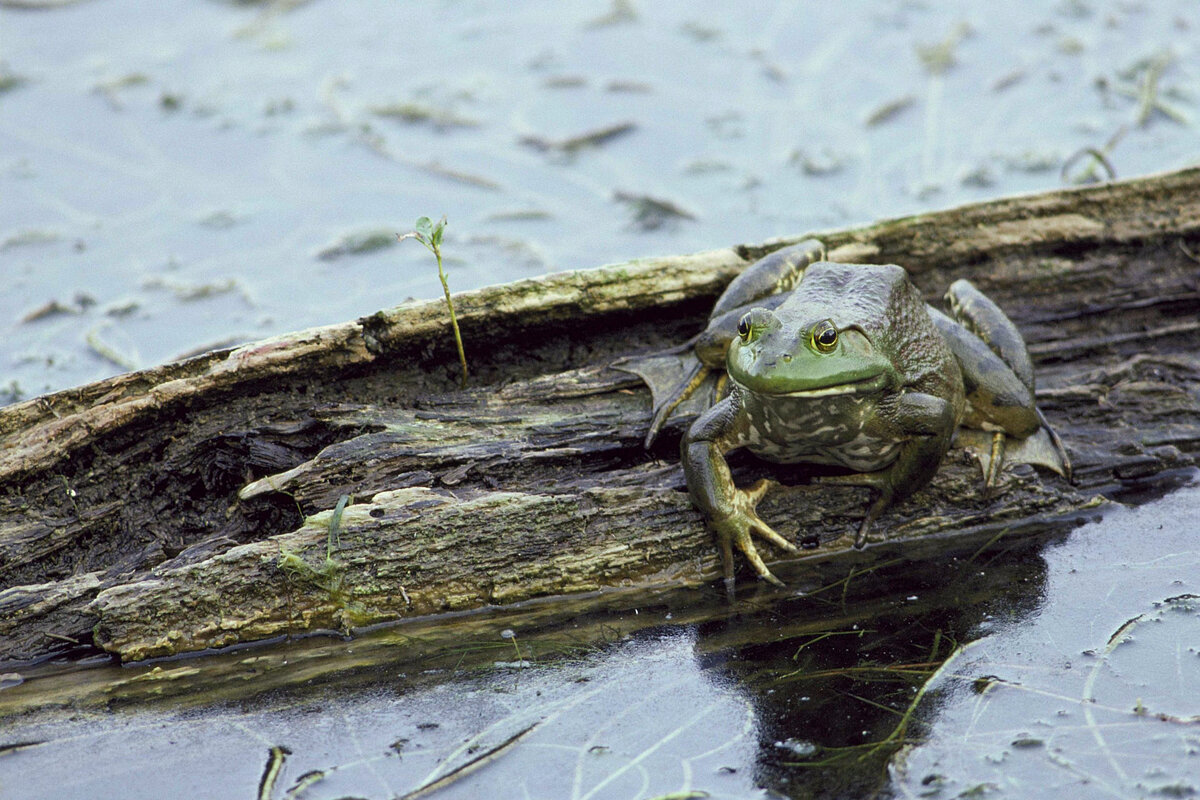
[189, 506]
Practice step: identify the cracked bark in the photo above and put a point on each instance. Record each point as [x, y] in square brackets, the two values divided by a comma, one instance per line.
[189, 506]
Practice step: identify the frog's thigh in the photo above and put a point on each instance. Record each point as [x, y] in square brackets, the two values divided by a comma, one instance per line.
[998, 399]
[985, 319]
[774, 273]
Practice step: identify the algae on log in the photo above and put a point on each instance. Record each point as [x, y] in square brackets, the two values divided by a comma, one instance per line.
[189, 506]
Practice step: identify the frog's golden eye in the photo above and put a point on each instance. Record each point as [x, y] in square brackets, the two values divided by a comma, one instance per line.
[744, 328]
[824, 336]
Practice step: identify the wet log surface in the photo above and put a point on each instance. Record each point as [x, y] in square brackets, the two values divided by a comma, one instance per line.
[190, 506]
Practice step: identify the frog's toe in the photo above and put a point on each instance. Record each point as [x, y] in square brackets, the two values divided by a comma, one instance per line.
[747, 547]
[883, 501]
[1060, 462]
[738, 531]
[992, 471]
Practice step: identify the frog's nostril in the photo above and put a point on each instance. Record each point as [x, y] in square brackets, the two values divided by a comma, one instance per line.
[787, 359]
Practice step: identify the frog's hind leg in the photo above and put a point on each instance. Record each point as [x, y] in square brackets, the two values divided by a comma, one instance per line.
[774, 273]
[989, 323]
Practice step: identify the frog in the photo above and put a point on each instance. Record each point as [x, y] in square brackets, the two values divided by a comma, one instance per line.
[846, 365]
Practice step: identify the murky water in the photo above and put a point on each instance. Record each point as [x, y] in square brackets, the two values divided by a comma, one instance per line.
[181, 174]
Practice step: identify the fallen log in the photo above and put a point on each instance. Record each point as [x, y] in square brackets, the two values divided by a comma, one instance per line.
[197, 504]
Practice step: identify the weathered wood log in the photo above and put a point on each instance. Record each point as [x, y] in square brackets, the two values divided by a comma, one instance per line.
[189, 506]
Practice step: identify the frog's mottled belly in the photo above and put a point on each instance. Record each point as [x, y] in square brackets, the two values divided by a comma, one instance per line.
[821, 430]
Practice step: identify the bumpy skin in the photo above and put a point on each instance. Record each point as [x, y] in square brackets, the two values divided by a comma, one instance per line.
[883, 399]
[882, 396]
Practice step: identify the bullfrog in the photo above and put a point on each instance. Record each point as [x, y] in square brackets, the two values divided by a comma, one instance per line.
[847, 365]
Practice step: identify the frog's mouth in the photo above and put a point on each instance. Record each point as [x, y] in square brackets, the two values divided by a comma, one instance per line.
[868, 385]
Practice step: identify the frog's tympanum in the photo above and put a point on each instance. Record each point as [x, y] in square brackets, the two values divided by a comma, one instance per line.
[845, 364]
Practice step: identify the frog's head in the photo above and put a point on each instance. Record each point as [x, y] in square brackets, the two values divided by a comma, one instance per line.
[802, 352]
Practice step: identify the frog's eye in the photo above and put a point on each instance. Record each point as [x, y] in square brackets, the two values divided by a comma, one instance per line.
[745, 328]
[824, 336]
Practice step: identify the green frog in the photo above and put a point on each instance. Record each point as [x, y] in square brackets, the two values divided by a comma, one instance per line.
[846, 365]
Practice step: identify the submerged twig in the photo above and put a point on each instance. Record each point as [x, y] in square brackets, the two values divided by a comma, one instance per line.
[480, 761]
[266, 784]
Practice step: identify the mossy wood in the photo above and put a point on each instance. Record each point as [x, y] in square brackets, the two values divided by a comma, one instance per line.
[189, 506]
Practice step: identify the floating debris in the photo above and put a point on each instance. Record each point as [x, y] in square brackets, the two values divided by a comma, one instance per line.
[1076, 9]
[109, 89]
[699, 32]
[1032, 161]
[565, 82]
[520, 215]
[13, 393]
[771, 69]
[470, 179]
[219, 219]
[652, 213]
[189, 292]
[726, 126]
[1008, 81]
[574, 144]
[1098, 158]
[357, 244]
[9, 80]
[1146, 74]
[1070, 45]
[278, 107]
[628, 87]
[122, 308]
[516, 251]
[707, 166]
[889, 111]
[939, 57]
[50, 309]
[30, 236]
[413, 113]
[979, 178]
[825, 163]
[108, 352]
[622, 12]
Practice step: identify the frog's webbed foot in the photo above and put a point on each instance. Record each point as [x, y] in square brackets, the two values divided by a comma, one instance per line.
[1062, 461]
[736, 528]
[673, 376]
[995, 449]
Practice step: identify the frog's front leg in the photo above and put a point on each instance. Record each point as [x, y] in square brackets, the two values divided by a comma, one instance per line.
[927, 426]
[731, 512]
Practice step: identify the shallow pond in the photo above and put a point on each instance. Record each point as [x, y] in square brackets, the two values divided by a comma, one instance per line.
[179, 175]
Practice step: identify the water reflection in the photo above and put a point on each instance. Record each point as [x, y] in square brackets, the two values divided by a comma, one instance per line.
[805, 697]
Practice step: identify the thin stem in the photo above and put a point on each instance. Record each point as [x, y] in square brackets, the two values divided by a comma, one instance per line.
[462, 356]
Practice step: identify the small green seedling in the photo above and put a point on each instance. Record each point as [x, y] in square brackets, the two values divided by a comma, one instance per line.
[430, 235]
